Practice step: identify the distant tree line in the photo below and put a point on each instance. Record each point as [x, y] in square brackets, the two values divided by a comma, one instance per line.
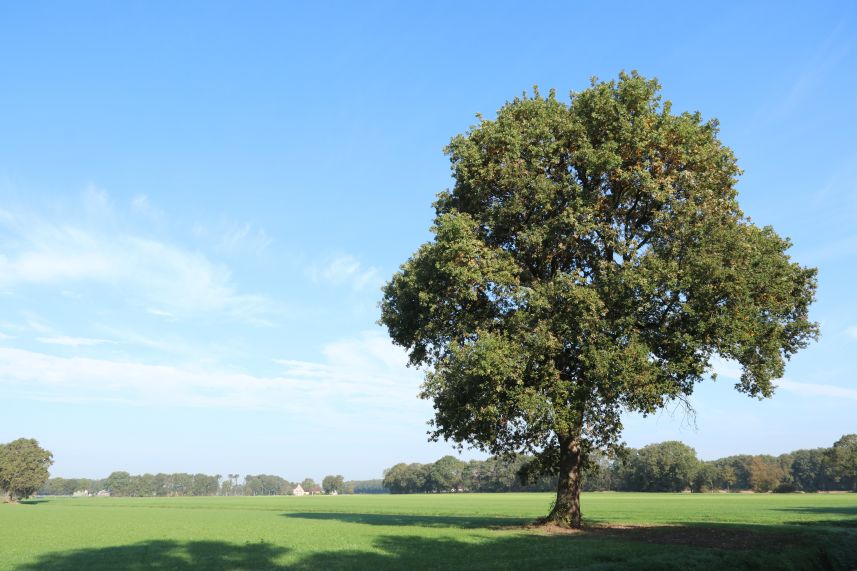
[375, 486]
[449, 474]
[664, 467]
[124, 484]
[673, 466]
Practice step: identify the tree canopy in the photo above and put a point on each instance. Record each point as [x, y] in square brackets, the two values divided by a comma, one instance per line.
[843, 460]
[591, 258]
[23, 468]
[333, 483]
[666, 467]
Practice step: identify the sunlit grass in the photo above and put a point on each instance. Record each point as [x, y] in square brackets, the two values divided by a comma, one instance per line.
[789, 531]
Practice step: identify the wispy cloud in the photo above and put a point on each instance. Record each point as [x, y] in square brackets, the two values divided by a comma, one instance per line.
[160, 313]
[230, 238]
[810, 76]
[817, 390]
[851, 332]
[732, 370]
[35, 323]
[245, 237]
[141, 206]
[360, 376]
[159, 274]
[97, 202]
[344, 269]
[72, 341]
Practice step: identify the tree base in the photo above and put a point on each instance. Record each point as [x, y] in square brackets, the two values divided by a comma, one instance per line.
[565, 512]
[562, 520]
[547, 525]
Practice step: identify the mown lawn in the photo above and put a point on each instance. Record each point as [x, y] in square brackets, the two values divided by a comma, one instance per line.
[460, 531]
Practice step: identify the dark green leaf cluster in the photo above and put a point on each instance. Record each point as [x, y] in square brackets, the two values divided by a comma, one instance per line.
[842, 460]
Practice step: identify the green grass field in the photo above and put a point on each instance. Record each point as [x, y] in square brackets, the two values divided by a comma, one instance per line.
[455, 531]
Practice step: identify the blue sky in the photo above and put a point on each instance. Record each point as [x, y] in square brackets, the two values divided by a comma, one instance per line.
[199, 202]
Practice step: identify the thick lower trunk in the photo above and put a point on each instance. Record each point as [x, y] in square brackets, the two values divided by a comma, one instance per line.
[566, 509]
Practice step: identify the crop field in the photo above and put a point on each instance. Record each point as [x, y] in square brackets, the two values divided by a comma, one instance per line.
[452, 531]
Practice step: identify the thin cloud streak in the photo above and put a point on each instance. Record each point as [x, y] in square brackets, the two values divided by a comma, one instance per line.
[73, 341]
[817, 390]
[172, 280]
[234, 239]
[731, 370]
[377, 383]
[344, 269]
[812, 74]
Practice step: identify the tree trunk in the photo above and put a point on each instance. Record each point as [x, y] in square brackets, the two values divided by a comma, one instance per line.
[566, 509]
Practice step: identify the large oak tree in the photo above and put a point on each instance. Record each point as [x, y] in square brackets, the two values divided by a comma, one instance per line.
[590, 259]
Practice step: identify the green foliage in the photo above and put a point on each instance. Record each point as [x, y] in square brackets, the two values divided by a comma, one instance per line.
[810, 470]
[706, 479]
[23, 468]
[375, 486]
[843, 461]
[406, 478]
[666, 467]
[310, 486]
[591, 258]
[447, 474]
[450, 474]
[765, 473]
[63, 486]
[119, 483]
[268, 485]
[205, 485]
[332, 484]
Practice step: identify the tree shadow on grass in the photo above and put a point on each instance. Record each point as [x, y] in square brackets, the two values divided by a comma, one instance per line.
[163, 554]
[461, 522]
[840, 516]
[572, 551]
[673, 546]
[608, 550]
[33, 502]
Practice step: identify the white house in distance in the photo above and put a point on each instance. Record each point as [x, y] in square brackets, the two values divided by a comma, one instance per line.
[299, 491]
